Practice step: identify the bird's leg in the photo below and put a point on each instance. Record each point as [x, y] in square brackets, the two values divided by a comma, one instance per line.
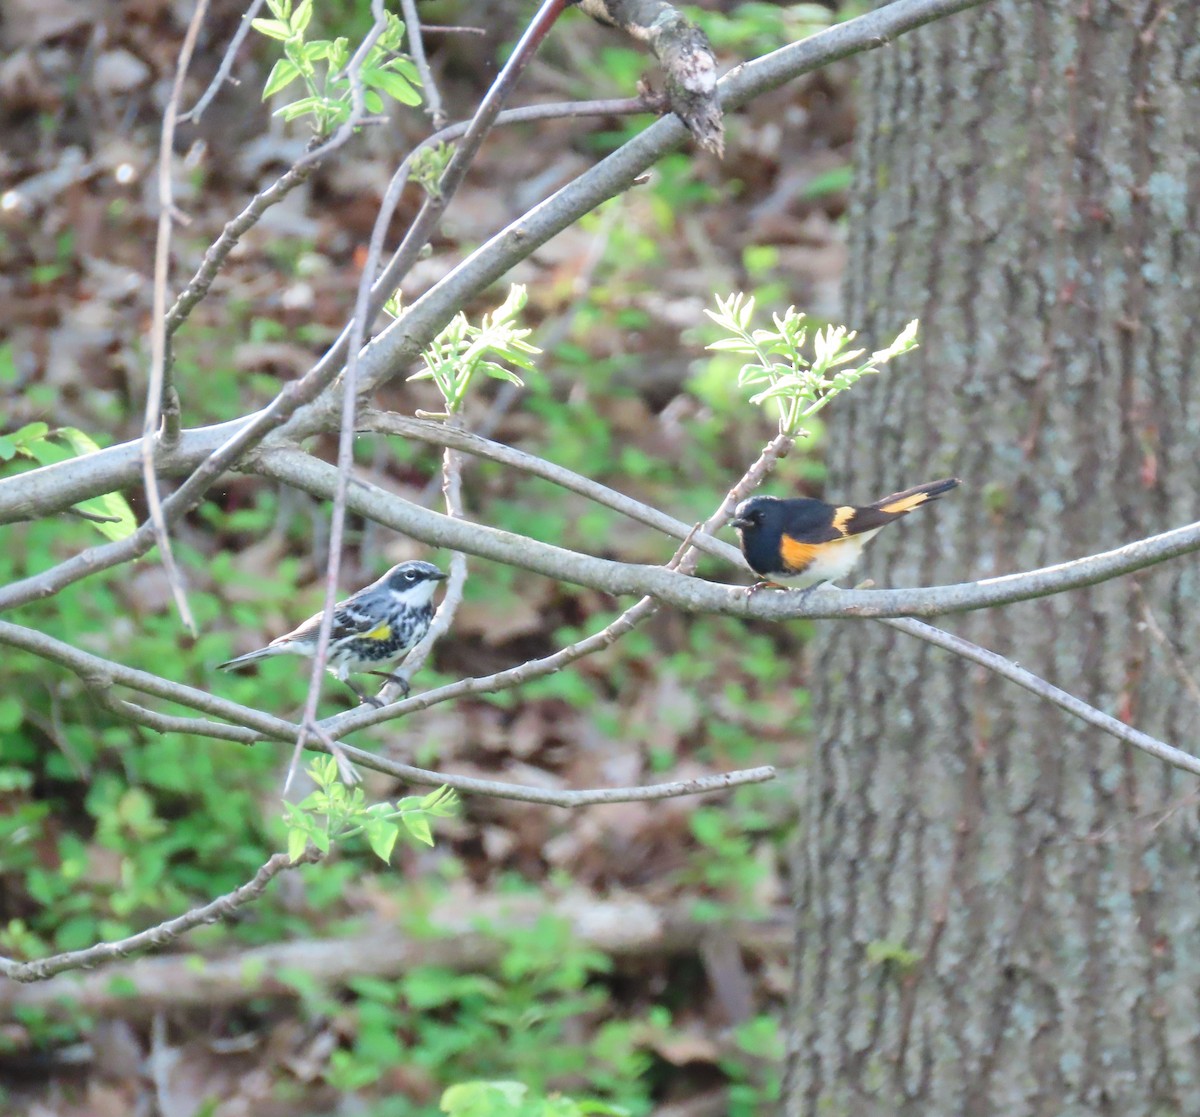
[363, 696]
[404, 685]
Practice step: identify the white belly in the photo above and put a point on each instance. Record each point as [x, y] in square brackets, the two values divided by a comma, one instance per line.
[834, 561]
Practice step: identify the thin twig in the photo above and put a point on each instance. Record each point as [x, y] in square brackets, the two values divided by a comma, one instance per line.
[1177, 664]
[198, 286]
[416, 45]
[160, 386]
[162, 934]
[345, 442]
[414, 241]
[100, 675]
[444, 618]
[1035, 685]
[439, 434]
[222, 74]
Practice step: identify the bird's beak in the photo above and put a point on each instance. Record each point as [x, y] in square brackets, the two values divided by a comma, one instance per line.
[440, 576]
[739, 523]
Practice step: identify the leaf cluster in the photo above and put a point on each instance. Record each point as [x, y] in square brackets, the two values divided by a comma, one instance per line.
[335, 812]
[321, 65]
[797, 384]
[462, 350]
[38, 441]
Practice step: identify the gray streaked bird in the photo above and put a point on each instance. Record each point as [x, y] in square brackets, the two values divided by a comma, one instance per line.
[376, 625]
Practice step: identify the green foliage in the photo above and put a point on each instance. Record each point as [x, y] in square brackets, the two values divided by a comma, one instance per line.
[511, 1099]
[757, 27]
[110, 512]
[799, 386]
[461, 351]
[320, 65]
[527, 1020]
[334, 812]
[429, 164]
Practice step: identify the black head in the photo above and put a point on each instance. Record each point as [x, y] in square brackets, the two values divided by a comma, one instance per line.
[762, 521]
[759, 522]
[410, 574]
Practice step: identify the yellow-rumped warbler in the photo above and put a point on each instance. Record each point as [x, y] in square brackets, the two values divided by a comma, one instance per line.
[379, 623]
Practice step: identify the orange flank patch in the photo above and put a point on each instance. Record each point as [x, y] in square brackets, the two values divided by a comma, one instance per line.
[899, 507]
[383, 632]
[797, 556]
[841, 519]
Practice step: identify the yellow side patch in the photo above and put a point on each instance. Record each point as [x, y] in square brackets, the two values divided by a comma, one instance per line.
[383, 632]
[841, 519]
[796, 555]
[899, 507]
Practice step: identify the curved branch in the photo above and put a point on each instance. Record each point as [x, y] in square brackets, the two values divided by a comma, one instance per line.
[1036, 685]
[163, 933]
[692, 595]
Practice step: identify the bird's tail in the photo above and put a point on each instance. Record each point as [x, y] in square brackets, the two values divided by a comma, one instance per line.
[251, 657]
[873, 516]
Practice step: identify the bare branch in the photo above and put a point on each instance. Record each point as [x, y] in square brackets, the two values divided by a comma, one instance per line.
[444, 618]
[222, 74]
[159, 385]
[695, 596]
[99, 675]
[198, 286]
[1048, 691]
[162, 934]
[433, 98]
[685, 55]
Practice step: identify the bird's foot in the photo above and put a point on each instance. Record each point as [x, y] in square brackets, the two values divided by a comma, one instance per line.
[763, 585]
[404, 685]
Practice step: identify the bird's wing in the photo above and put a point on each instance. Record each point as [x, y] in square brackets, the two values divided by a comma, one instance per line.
[348, 620]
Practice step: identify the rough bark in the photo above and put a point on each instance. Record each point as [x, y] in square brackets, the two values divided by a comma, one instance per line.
[998, 910]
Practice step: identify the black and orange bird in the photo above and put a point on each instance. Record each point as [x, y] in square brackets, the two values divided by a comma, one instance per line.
[802, 543]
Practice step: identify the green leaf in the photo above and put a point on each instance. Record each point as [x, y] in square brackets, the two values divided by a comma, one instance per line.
[300, 108]
[47, 452]
[418, 826]
[8, 449]
[395, 86]
[297, 843]
[382, 837]
[373, 102]
[320, 839]
[283, 73]
[301, 16]
[31, 432]
[403, 65]
[272, 28]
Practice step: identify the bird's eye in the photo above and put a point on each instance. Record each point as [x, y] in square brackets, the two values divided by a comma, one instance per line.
[411, 575]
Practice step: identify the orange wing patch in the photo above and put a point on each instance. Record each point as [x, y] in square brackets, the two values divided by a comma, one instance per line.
[841, 519]
[797, 556]
[899, 507]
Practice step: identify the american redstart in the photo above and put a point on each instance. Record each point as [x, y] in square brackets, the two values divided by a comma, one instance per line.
[802, 543]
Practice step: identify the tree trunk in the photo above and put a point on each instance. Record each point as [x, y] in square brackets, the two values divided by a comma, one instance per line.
[998, 909]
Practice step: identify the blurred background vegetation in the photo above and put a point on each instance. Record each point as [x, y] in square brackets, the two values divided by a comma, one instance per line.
[106, 828]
